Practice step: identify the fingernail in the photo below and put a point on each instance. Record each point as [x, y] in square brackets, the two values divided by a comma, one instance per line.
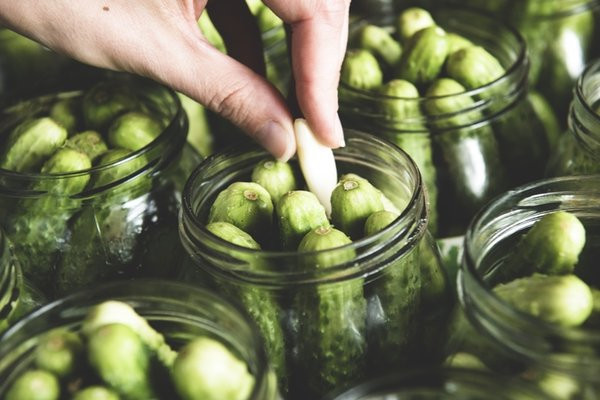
[278, 140]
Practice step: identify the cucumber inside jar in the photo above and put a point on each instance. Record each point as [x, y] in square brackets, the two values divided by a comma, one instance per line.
[92, 193]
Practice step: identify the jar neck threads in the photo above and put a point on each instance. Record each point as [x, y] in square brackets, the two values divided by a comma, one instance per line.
[11, 281]
[584, 114]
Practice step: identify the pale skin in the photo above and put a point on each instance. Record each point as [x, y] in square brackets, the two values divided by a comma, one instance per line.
[160, 39]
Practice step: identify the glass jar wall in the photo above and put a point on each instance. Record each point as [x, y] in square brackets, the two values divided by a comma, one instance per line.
[536, 341]
[382, 308]
[115, 220]
[178, 312]
[578, 151]
[467, 156]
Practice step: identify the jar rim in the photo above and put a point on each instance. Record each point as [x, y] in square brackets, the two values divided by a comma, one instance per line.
[163, 139]
[401, 227]
[471, 286]
[495, 25]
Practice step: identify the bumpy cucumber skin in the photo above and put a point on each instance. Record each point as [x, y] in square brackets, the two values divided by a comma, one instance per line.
[88, 142]
[332, 331]
[473, 67]
[470, 169]
[38, 226]
[559, 299]
[31, 143]
[246, 205]
[277, 177]
[360, 70]
[196, 378]
[95, 393]
[60, 352]
[412, 20]
[551, 246]
[378, 221]
[34, 385]
[424, 56]
[397, 105]
[298, 212]
[119, 357]
[352, 201]
[259, 303]
[457, 42]
[381, 43]
[133, 130]
[105, 101]
[65, 112]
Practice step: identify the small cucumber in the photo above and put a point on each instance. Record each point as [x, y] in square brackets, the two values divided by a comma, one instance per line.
[457, 42]
[424, 56]
[232, 234]
[381, 43]
[65, 113]
[88, 142]
[59, 351]
[298, 212]
[412, 20]
[246, 205]
[473, 67]
[276, 176]
[31, 143]
[400, 106]
[361, 70]
[378, 221]
[560, 299]
[34, 384]
[352, 201]
[105, 101]
[95, 393]
[63, 161]
[133, 130]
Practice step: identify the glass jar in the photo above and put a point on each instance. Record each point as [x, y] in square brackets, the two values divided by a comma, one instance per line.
[17, 296]
[443, 384]
[394, 297]
[562, 37]
[179, 312]
[122, 228]
[529, 343]
[578, 151]
[469, 156]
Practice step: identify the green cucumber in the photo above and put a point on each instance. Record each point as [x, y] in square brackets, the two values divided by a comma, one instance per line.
[88, 142]
[95, 393]
[298, 212]
[105, 101]
[360, 70]
[59, 351]
[65, 113]
[34, 385]
[276, 176]
[473, 67]
[411, 21]
[380, 42]
[424, 56]
[378, 220]
[133, 130]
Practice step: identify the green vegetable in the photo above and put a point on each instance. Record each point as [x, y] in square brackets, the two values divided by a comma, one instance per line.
[34, 385]
[267, 20]
[246, 205]
[60, 352]
[379, 220]
[331, 334]
[90, 143]
[133, 130]
[276, 176]
[298, 212]
[119, 357]
[95, 393]
[424, 56]
[117, 312]
[31, 143]
[259, 303]
[352, 201]
[593, 320]
[551, 246]
[64, 112]
[360, 70]
[561, 299]
[114, 221]
[473, 67]
[399, 105]
[206, 370]
[381, 43]
[105, 101]
[456, 42]
[470, 170]
[411, 21]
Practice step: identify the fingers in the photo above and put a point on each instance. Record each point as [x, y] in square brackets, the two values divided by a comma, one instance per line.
[319, 34]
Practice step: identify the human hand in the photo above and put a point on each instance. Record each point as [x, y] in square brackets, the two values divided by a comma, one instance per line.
[160, 39]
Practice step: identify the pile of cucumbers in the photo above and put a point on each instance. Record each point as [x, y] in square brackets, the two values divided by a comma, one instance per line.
[86, 206]
[442, 98]
[327, 335]
[116, 354]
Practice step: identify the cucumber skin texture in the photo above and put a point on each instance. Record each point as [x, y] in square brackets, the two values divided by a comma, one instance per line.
[276, 176]
[31, 143]
[412, 20]
[551, 246]
[120, 358]
[88, 142]
[378, 221]
[298, 212]
[95, 393]
[424, 56]
[60, 352]
[105, 101]
[332, 330]
[133, 131]
[360, 70]
[558, 299]
[252, 215]
[379, 42]
[473, 67]
[34, 385]
[352, 201]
